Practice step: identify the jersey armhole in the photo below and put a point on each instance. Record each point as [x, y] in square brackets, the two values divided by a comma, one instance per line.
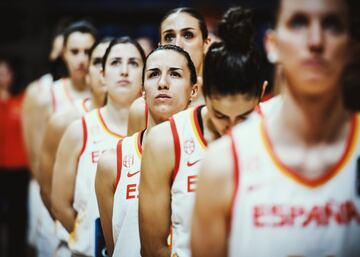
[176, 148]
[118, 162]
[236, 179]
[85, 135]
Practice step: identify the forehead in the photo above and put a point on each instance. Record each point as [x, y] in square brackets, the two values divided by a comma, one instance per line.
[179, 21]
[311, 7]
[80, 40]
[166, 58]
[233, 105]
[99, 50]
[125, 51]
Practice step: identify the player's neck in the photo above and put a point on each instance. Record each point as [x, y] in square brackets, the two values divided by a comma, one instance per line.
[210, 133]
[116, 116]
[97, 100]
[311, 121]
[78, 84]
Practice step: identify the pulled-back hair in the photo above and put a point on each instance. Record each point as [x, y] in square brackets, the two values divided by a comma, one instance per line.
[122, 40]
[99, 42]
[234, 65]
[80, 26]
[193, 13]
[190, 64]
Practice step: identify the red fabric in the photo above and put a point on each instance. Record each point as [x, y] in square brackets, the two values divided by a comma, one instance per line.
[12, 150]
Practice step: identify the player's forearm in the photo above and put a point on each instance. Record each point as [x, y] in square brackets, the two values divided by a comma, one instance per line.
[151, 249]
[66, 215]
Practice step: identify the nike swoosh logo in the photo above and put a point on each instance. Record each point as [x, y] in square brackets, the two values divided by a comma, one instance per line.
[189, 164]
[129, 174]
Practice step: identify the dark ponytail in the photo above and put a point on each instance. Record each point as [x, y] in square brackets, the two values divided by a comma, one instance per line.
[234, 65]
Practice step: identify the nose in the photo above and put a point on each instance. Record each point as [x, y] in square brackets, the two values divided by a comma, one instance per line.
[163, 84]
[178, 41]
[124, 70]
[316, 37]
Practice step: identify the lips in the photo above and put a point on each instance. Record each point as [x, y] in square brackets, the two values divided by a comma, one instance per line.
[314, 62]
[123, 82]
[161, 98]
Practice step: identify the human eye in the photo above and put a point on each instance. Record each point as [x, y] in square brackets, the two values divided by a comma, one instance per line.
[74, 51]
[115, 62]
[220, 116]
[188, 35]
[175, 74]
[134, 63]
[153, 74]
[333, 24]
[168, 37]
[96, 62]
[298, 21]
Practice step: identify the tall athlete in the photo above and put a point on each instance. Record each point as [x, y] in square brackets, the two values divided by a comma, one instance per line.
[288, 184]
[73, 196]
[173, 150]
[184, 27]
[60, 120]
[169, 82]
[78, 39]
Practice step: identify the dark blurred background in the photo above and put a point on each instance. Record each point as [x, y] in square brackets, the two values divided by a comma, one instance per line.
[26, 27]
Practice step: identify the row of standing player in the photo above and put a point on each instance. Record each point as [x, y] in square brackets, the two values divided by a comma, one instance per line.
[227, 100]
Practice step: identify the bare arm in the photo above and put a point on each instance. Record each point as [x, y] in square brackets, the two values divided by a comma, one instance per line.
[154, 190]
[105, 189]
[136, 121]
[63, 182]
[209, 233]
[53, 134]
[34, 117]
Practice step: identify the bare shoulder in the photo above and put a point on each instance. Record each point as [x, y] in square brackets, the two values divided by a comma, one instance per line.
[137, 117]
[74, 132]
[138, 106]
[35, 95]
[61, 120]
[160, 137]
[107, 165]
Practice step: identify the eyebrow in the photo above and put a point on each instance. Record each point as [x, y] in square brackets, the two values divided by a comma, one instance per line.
[184, 29]
[171, 69]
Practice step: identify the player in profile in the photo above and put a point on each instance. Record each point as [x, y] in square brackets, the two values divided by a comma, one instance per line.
[73, 196]
[61, 120]
[287, 184]
[232, 88]
[169, 83]
[186, 28]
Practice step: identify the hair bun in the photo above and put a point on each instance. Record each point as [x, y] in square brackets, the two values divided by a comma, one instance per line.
[236, 29]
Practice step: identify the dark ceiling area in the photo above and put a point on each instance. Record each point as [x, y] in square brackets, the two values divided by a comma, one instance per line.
[26, 26]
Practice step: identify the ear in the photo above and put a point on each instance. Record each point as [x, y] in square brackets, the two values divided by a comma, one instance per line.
[271, 46]
[207, 43]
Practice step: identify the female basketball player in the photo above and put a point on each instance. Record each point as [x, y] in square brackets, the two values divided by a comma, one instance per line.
[186, 28]
[61, 120]
[286, 183]
[173, 150]
[169, 81]
[73, 196]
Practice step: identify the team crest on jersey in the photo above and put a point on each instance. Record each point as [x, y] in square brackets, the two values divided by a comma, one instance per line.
[128, 160]
[189, 146]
